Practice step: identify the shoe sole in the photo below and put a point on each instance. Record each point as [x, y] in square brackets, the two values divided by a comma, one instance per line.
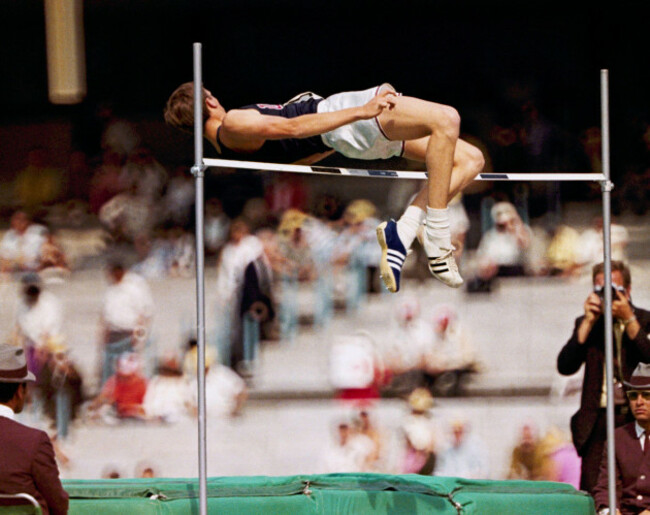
[458, 285]
[385, 271]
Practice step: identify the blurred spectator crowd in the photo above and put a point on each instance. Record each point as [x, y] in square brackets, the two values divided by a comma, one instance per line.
[285, 257]
[425, 443]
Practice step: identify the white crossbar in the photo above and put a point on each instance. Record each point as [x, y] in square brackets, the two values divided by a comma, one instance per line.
[396, 174]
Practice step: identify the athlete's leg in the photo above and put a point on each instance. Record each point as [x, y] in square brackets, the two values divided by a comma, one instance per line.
[468, 163]
[433, 132]
[413, 119]
[419, 123]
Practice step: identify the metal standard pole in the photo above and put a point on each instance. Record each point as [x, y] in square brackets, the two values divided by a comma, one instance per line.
[607, 250]
[197, 171]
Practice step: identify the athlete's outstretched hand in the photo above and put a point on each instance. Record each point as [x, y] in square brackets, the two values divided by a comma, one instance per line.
[383, 100]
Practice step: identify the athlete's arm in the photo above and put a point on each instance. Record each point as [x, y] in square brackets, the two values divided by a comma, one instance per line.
[248, 128]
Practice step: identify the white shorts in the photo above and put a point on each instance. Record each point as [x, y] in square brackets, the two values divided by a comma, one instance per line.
[364, 139]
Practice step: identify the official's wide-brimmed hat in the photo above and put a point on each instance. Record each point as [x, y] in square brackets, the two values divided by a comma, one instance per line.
[640, 379]
[13, 365]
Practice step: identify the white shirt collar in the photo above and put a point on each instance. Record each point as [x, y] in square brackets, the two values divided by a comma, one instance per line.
[639, 430]
[6, 411]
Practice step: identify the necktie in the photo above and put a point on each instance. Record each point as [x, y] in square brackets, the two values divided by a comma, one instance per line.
[619, 330]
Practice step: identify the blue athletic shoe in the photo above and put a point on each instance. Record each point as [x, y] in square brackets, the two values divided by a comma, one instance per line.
[393, 254]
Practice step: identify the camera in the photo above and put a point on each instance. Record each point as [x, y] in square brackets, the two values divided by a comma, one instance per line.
[600, 291]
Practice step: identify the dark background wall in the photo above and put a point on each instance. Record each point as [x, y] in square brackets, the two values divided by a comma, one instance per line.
[483, 57]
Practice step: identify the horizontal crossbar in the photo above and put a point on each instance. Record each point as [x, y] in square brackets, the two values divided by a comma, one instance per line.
[396, 174]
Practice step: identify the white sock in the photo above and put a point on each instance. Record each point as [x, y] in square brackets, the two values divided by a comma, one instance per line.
[437, 228]
[408, 225]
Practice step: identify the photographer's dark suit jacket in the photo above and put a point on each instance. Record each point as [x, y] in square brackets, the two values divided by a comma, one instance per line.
[27, 466]
[592, 354]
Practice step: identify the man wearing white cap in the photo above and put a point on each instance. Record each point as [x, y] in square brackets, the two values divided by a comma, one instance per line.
[632, 449]
[27, 463]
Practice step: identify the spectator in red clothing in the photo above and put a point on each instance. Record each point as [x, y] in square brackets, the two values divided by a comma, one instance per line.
[125, 390]
[286, 192]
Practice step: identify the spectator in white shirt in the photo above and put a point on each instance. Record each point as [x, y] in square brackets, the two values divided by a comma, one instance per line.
[349, 452]
[168, 394]
[39, 319]
[20, 248]
[504, 248]
[126, 315]
[225, 391]
[465, 457]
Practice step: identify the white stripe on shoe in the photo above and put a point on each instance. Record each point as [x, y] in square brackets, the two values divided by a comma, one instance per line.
[395, 256]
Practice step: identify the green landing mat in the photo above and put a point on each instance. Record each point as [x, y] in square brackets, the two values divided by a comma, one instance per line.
[326, 494]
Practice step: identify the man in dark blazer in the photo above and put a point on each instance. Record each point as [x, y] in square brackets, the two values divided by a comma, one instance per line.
[586, 345]
[27, 463]
[632, 449]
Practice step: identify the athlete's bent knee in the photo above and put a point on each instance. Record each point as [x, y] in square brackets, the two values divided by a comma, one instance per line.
[448, 122]
[476, 160]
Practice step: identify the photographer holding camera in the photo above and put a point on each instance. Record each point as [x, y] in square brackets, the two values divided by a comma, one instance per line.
[586, 345]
